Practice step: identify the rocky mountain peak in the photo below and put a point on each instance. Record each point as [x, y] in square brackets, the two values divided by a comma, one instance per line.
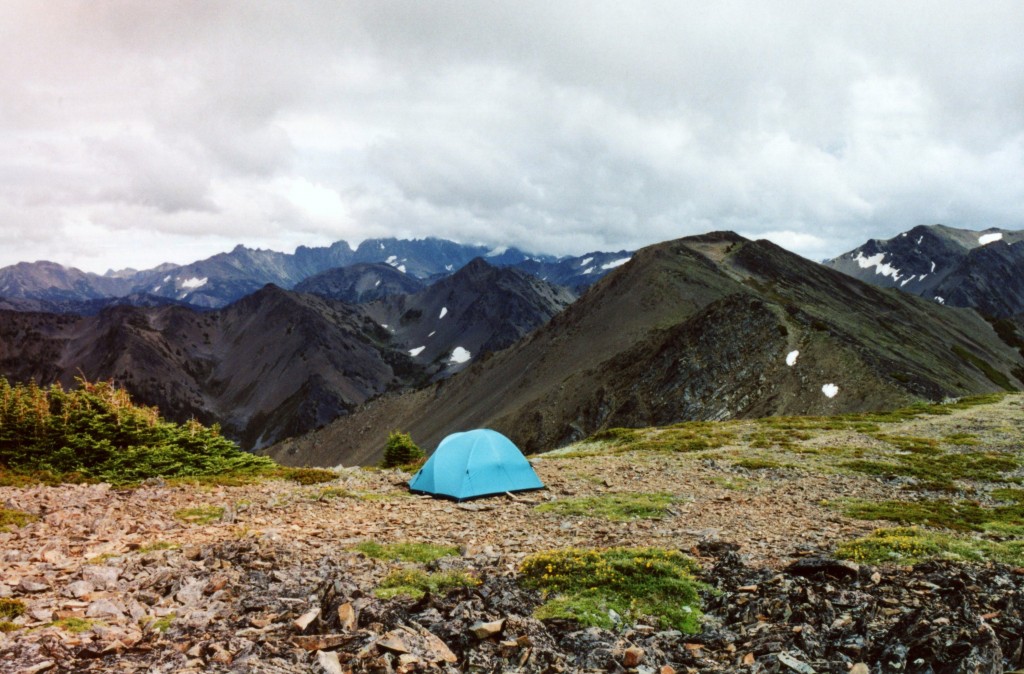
[966, 268]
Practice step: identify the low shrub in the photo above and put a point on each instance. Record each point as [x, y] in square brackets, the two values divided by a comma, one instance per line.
[400, 451]
[95, 432]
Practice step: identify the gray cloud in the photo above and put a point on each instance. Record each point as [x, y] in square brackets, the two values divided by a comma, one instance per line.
[142, 132]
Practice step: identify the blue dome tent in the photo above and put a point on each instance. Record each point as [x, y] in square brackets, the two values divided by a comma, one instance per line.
[475, 463]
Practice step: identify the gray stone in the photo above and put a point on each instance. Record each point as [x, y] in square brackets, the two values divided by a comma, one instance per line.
[43, 615]
[32, 585]
[191, 593]
[329, 662]
[80, 589]
[482, 630]
[103, 577]
[104, 608]
[303, 621]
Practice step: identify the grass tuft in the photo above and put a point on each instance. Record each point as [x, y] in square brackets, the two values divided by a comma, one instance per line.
[11, 608]
[200, 514]
[590, 586]
[619, 507]
[415, 583]
[955, 515]
[910, 545]
[754, 463]
[157, 546]
[74, 625]
[12, 519]
[934, 470]
[407, 551]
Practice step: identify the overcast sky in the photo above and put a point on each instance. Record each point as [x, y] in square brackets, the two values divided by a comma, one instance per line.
[133, 133]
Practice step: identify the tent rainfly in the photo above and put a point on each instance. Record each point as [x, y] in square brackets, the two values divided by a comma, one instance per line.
[475, 463]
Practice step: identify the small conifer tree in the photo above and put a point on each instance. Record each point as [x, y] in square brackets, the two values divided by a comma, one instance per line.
[400, 450]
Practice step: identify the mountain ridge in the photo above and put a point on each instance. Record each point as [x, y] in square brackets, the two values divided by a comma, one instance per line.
[223, 278]
[673, 305]
[965, 268]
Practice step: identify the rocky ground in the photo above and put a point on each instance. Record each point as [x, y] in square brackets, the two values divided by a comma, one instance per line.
[131, 581]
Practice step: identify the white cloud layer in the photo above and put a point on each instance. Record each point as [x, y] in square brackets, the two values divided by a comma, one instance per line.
[137, 133]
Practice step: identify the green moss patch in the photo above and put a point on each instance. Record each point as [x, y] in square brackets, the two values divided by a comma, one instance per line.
[13, 519]
[407, 551]
[160, 625]
[785, 438]
[156, 547]
[620, 506]
[340, 492]
[11, 608]
[938, 471]
[200, 514]
[754, 463]
[955, 515]
[415, 583]
[910, 545]
[74, 625]
[592, 586]
[691, 436]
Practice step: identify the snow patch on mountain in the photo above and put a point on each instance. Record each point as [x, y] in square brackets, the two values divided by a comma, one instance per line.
[830, 390]
[616, 263]
[417, 351]
[586, 261]
[881, 267]
[444, 312]
[460, 355]
[193, 283]
[791, 358]
[500, 250]
[986, 239]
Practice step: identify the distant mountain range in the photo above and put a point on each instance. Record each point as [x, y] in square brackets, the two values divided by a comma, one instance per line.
[342, 346]
[227, 277]
[278, 363]
[957, 267]
[702, 328]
